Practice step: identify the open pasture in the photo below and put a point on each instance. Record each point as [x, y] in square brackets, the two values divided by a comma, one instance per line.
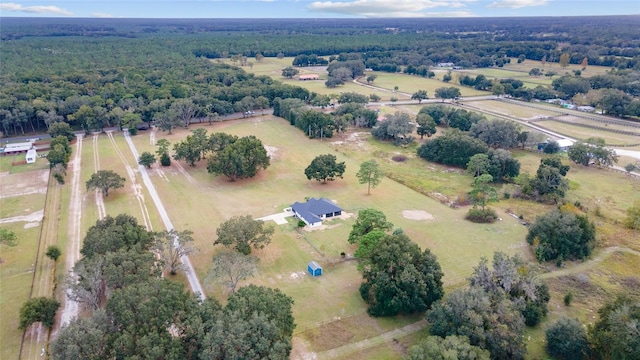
[23, 194]
[200, 202]
[512, 109]
[584, 133]
[527, 65]
[412, 83]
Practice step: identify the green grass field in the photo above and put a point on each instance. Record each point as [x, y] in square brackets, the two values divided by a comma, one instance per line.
[527, 65]
[17, 263]
[410, 84]
[200, 202]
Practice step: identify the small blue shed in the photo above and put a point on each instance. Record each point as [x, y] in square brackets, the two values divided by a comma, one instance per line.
[314, 269]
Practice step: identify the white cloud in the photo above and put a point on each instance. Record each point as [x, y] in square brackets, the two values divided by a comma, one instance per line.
[516, 4]
[38, 9]
[390, 8]
[102, 15]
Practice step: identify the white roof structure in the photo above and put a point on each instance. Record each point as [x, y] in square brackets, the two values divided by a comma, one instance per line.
[32, 154]
[565, 143]
[18, 147]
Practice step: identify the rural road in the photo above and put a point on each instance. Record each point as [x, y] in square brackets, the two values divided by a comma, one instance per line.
[190, 273]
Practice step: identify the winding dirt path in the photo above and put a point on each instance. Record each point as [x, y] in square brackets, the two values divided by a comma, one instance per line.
[600, 257]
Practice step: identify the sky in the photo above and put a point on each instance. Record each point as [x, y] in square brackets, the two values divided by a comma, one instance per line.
[315, 9]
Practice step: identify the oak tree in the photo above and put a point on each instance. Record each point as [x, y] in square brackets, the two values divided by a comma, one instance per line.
[105, 180]
[325, 168]
[242, 233]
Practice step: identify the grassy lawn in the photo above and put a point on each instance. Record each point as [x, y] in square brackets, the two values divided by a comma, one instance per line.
[200, 202]
[6, 164]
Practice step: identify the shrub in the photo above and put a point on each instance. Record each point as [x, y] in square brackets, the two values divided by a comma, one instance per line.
[59, 177]
[165, 160]
[133, 131]
[481, 216]
[301, 223]
[568, 297]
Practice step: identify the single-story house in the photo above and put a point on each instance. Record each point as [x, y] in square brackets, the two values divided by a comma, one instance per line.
[304, 77]
[32, 154]
[314, 210]
[314, 269]
[446, 64]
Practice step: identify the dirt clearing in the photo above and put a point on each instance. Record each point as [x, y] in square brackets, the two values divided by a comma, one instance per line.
[32, 182]
[417, 215]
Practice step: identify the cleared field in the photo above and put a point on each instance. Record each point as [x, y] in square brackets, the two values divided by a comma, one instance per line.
[410, 84]
[511, 109]
[6, 164]
[582, 121]
[583, 133]
[527, 65]
[200, 202]
[23, 194]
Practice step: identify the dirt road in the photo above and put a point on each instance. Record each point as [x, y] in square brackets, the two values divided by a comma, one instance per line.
[70, 308]
[190, 273]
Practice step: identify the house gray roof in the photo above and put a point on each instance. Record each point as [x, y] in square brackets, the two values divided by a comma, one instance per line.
[313, 209]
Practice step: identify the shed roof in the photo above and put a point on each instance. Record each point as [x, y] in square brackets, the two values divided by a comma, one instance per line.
[308, 77]
[314, 265]
[565, 143]
[22, 146]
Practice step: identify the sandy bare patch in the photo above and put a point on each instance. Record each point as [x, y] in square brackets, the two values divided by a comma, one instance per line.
[32, 182]
[417, 215]
[33, 217]
[31, 225]
[271, 151]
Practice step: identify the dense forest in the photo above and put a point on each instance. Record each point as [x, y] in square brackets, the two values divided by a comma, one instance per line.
[94, 72]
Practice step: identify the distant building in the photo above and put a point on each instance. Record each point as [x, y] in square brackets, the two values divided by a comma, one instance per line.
[446, 64]
[305, 77]
[586, 108]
